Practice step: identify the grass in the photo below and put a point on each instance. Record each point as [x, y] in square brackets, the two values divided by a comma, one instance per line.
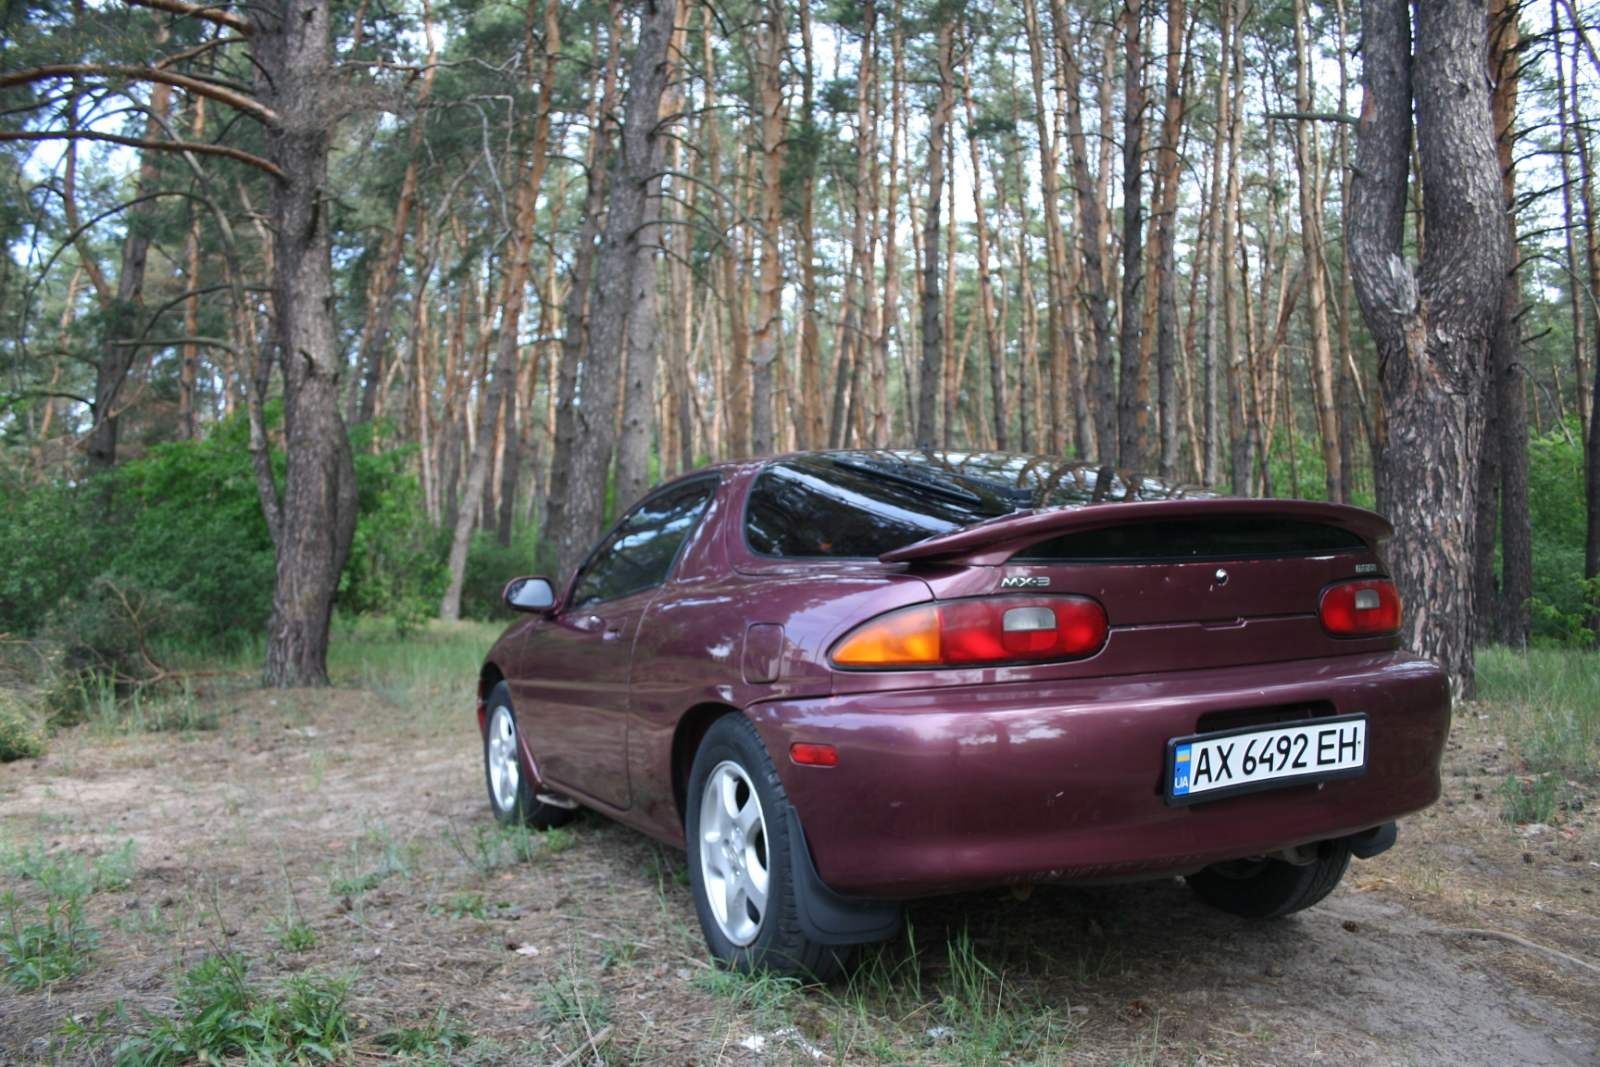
[43, 945]
[373, 859]
[432, 1041]
[221, 1014]
[1547, 702]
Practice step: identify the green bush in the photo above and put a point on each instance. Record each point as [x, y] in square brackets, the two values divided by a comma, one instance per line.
[1561, 598]
[22, 734]
[396, 566]
[183, 522]
[490, 565]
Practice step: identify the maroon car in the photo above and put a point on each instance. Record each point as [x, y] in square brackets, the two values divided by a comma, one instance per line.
[848, 679]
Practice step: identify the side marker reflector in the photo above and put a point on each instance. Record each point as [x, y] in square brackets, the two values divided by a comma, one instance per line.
[810, 755]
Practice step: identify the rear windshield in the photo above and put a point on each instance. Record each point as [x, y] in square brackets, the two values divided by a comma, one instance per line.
[1194, 539]
[862, 504]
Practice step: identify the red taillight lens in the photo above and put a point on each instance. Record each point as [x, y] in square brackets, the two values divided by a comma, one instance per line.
[976, 631]
[1361, 608]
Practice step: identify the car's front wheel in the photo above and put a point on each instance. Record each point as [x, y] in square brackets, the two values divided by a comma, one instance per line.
[740, 864]
[513, 794]
[1267, 888]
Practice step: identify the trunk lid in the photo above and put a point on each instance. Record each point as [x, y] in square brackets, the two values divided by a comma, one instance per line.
[1211, 563]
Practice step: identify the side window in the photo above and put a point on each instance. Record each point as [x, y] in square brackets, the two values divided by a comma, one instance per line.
[639, 553]
[797, 511]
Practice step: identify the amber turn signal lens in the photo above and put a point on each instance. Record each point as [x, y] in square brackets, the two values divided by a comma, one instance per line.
[1363, 608]
[905, 638]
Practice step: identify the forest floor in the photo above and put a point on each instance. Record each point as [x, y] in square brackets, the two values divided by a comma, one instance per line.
[345, 833]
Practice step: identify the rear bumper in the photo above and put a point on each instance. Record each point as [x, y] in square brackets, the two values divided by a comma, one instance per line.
[938, 790]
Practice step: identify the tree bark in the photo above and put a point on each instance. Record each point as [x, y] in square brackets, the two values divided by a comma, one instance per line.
[1102, 368]
[1133, 393]
[1308, 159]
[1432, 327]
[293, 51]
[638, 160]
[933, 325]
[765, 349]
[497, 389]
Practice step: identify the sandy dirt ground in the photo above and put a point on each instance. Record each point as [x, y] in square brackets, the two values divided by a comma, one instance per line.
[1471, 942]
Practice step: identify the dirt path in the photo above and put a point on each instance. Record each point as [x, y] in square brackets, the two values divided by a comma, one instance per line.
[363, 819]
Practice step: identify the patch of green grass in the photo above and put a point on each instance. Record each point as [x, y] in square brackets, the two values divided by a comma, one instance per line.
[42, 946]
[466, 906]
[571, 998]
[1547, 701]
[769, 997]
[494, 847]
[372, 861]
[987, 1021]
[221, 1014]
[297, 936]
[1529, 800]
[429, 1042]
[66, 874]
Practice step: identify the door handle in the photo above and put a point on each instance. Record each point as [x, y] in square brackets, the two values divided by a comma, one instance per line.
[612, 633]
[588, 623]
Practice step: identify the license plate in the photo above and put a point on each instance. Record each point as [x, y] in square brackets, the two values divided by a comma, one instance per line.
[1210, 766]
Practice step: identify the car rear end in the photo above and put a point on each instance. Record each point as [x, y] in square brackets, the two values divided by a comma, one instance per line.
[1113, 690]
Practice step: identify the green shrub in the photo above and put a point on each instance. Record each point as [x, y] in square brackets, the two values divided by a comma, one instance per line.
[22, 734]
[1556, 511]
[396, 566]
[490, 565]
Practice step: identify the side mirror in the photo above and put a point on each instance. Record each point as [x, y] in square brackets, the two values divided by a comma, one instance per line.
[529, 594]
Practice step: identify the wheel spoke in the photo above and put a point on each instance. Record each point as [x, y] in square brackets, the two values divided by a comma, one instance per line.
[753, 886]
[729, 788]
[749, 816]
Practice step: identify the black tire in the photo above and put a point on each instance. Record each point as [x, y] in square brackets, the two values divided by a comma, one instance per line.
[523, 806]
[1271, 888]
[779, 947]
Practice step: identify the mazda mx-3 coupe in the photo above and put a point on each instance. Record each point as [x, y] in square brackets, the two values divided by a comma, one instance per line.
[847, 679]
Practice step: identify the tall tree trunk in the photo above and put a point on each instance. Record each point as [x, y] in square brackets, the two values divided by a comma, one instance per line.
[1432, 327]
[1237, 352]
[644, 334]
[638, 160]
[766, 349]
[1133, 394]
[120, 311]
[1506, 371]
[1578, 295]
[810, 428]
[1102, 368]
[1055, 240]
[1166, 243]
[1308, 159]
[317, 514]
[993, 343]
[382, 287]
[576, 312]
[933, 325]
[497, 391]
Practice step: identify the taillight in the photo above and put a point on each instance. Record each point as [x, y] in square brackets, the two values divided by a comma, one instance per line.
[976, 631]
[1362, 608]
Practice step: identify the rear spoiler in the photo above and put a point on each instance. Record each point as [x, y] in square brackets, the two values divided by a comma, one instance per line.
[993, 541]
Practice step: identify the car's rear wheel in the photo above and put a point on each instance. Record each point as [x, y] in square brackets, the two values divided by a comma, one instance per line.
[1267, 888]
[513, 793]
[740, 865]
